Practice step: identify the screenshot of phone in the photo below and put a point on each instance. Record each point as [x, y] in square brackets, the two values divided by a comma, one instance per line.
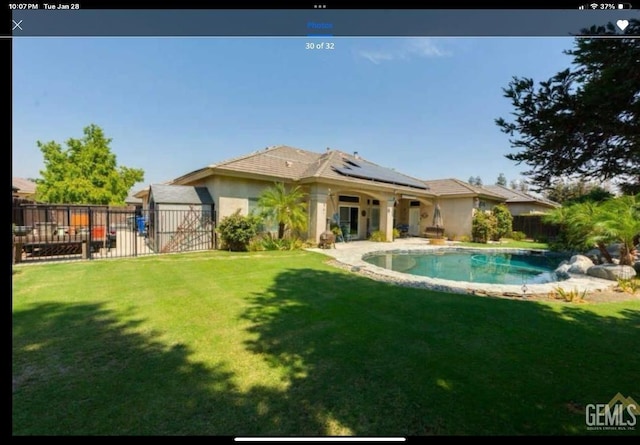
[259, 141]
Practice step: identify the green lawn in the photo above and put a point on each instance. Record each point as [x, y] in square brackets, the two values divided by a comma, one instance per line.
[509, 244]
[278, 343]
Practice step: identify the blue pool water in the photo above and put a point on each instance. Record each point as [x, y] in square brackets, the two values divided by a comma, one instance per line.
[473, 266]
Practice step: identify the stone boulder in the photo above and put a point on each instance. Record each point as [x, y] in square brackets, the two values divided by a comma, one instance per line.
[562, 271]
[611, 272]
[593, 255]
[579, 264]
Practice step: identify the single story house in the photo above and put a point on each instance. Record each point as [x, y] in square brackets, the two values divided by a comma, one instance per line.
[521, 203]
[340, 187]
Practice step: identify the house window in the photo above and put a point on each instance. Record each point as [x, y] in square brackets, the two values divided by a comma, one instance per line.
[345, 198]
[253, 209]
[415, 204]
[266, 225]
[376, 202]
[375, 219]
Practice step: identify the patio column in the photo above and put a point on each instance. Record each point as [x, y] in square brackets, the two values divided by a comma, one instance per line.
[386, 217]
[317, 213]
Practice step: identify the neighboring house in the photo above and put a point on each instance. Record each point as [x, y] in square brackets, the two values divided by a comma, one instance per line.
[340, 187]
[521, 203]
[179, 218]
[458, 201]
[23, 188]
[133, 201]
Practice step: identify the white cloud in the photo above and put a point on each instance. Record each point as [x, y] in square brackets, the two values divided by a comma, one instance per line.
[377, 56]
[405, 50]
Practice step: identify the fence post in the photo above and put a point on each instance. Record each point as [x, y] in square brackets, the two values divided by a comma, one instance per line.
[90, 236]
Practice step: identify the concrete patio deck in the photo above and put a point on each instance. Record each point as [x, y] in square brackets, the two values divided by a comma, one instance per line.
[349, 255]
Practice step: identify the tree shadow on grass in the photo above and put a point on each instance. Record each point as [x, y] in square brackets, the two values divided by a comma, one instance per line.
[358, 358]
[366, 358]
[81, 370]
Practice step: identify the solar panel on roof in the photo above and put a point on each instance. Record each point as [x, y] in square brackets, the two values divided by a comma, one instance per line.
[376, 173]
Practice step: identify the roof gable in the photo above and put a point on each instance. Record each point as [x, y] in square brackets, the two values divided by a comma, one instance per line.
[281, 161]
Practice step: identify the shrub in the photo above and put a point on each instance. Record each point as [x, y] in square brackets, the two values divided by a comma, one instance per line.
[255, 244]
[570, 296]
[396, 233]
[517, 236]
[465, 238]
[378, 236]
[541, 239]
[504, 221]
[269, 241]
[236, 231]
[629, 285]
[483, 227]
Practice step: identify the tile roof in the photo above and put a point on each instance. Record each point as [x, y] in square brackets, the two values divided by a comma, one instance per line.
[280, 161]
[514, 196]
[297, 165]
[131, 199]
[180, 194]
[24, 185]
[452, 187]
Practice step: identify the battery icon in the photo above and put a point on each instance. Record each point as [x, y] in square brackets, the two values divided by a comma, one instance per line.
[620, 6]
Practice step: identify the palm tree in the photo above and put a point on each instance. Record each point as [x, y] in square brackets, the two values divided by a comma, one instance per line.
[580, 230]
[621, 222]
[287, 208]
[599, 223]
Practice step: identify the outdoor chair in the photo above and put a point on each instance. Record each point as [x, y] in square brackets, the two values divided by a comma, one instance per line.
[346, 233]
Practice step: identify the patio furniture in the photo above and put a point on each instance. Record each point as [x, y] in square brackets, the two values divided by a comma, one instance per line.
[346, 233]
[434, 232]
[403, 229]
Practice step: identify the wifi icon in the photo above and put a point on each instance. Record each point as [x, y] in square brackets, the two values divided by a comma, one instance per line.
[593, 5]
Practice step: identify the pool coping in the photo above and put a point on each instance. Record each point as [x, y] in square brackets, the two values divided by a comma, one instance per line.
[350, 256]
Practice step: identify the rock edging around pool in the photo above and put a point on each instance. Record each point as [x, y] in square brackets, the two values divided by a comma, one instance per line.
[574, 282]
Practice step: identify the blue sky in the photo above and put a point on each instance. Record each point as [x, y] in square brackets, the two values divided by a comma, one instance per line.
[424, 106]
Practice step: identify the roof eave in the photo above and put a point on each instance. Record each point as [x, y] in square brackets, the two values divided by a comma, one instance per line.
[192, 176]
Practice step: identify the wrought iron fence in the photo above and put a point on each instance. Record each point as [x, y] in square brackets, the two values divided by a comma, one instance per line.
[72, 232]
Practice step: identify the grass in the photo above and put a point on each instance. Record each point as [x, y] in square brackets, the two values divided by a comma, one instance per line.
[508, 244]
[279, 343]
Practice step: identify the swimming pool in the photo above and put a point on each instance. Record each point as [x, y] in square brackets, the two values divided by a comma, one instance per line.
[476, 266]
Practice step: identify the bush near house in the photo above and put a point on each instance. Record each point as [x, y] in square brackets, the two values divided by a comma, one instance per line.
[483, 227]
[504, 222]
[378, 236]
[236, 231]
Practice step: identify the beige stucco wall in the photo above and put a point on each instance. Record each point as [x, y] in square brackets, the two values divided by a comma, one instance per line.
[231, 194]
[457, 214]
